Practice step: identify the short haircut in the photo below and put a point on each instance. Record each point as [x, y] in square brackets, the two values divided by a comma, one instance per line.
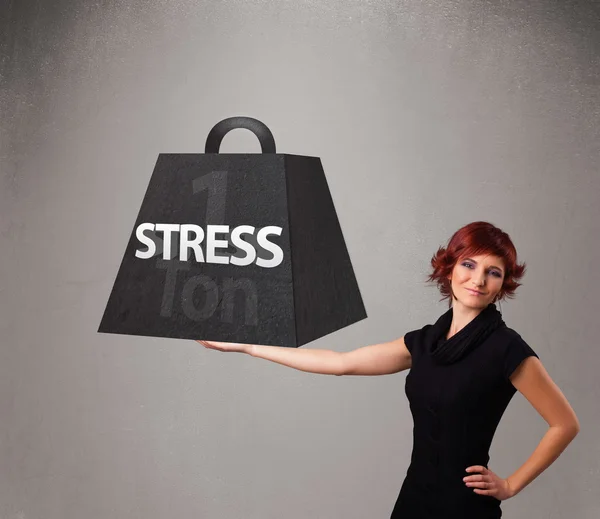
[471, 240]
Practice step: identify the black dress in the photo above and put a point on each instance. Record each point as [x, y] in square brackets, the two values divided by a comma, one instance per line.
[456, 409]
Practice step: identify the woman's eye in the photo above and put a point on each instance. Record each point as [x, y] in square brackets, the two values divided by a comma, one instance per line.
[470, 266]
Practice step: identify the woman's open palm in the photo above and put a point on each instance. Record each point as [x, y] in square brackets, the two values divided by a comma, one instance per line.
[226, 346]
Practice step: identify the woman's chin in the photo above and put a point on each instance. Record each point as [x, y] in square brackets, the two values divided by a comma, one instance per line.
[475, 305]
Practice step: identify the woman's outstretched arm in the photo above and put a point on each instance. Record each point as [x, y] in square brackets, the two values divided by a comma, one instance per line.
[376, 359]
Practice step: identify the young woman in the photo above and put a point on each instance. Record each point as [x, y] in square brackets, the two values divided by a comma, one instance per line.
[464, 370]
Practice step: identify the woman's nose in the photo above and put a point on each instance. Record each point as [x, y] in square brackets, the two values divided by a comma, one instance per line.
[479, 279]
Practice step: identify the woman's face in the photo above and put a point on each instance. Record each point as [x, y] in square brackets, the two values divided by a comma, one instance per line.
[476, 280]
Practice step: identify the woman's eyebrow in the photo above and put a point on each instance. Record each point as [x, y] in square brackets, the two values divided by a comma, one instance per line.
[492, 266]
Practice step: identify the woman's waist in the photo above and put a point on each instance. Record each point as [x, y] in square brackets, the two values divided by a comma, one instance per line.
[449, 455]
[446, 492]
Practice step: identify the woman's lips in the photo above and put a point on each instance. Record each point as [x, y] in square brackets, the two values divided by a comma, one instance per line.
[474, 292]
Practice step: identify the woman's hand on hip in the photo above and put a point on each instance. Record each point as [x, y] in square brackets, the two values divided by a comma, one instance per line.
[487, 483]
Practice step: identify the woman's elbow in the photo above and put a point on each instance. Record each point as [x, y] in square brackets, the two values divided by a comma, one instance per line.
[575, 427]
[570, 430]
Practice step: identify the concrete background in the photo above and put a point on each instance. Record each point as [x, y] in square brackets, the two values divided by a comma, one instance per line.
[426, 115]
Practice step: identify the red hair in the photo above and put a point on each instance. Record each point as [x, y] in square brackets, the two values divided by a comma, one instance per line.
[471, 240]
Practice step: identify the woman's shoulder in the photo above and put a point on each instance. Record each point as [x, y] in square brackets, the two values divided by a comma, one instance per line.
[507, 334]
[508, 337]
[512, 349]
[510, 343]
[416, 337]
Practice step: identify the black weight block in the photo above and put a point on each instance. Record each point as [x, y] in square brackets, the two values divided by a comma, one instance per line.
[236, 248]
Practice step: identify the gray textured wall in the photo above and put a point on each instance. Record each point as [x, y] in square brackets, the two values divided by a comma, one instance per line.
[427, 115]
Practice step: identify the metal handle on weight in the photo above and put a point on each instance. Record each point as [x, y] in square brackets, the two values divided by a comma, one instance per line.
[215, 136]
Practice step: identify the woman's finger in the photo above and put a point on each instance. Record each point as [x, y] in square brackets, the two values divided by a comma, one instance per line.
[476, 477]
[479, 484]
[477, 468]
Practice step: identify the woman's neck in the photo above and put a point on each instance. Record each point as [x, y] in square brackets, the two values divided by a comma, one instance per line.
[461, 316]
